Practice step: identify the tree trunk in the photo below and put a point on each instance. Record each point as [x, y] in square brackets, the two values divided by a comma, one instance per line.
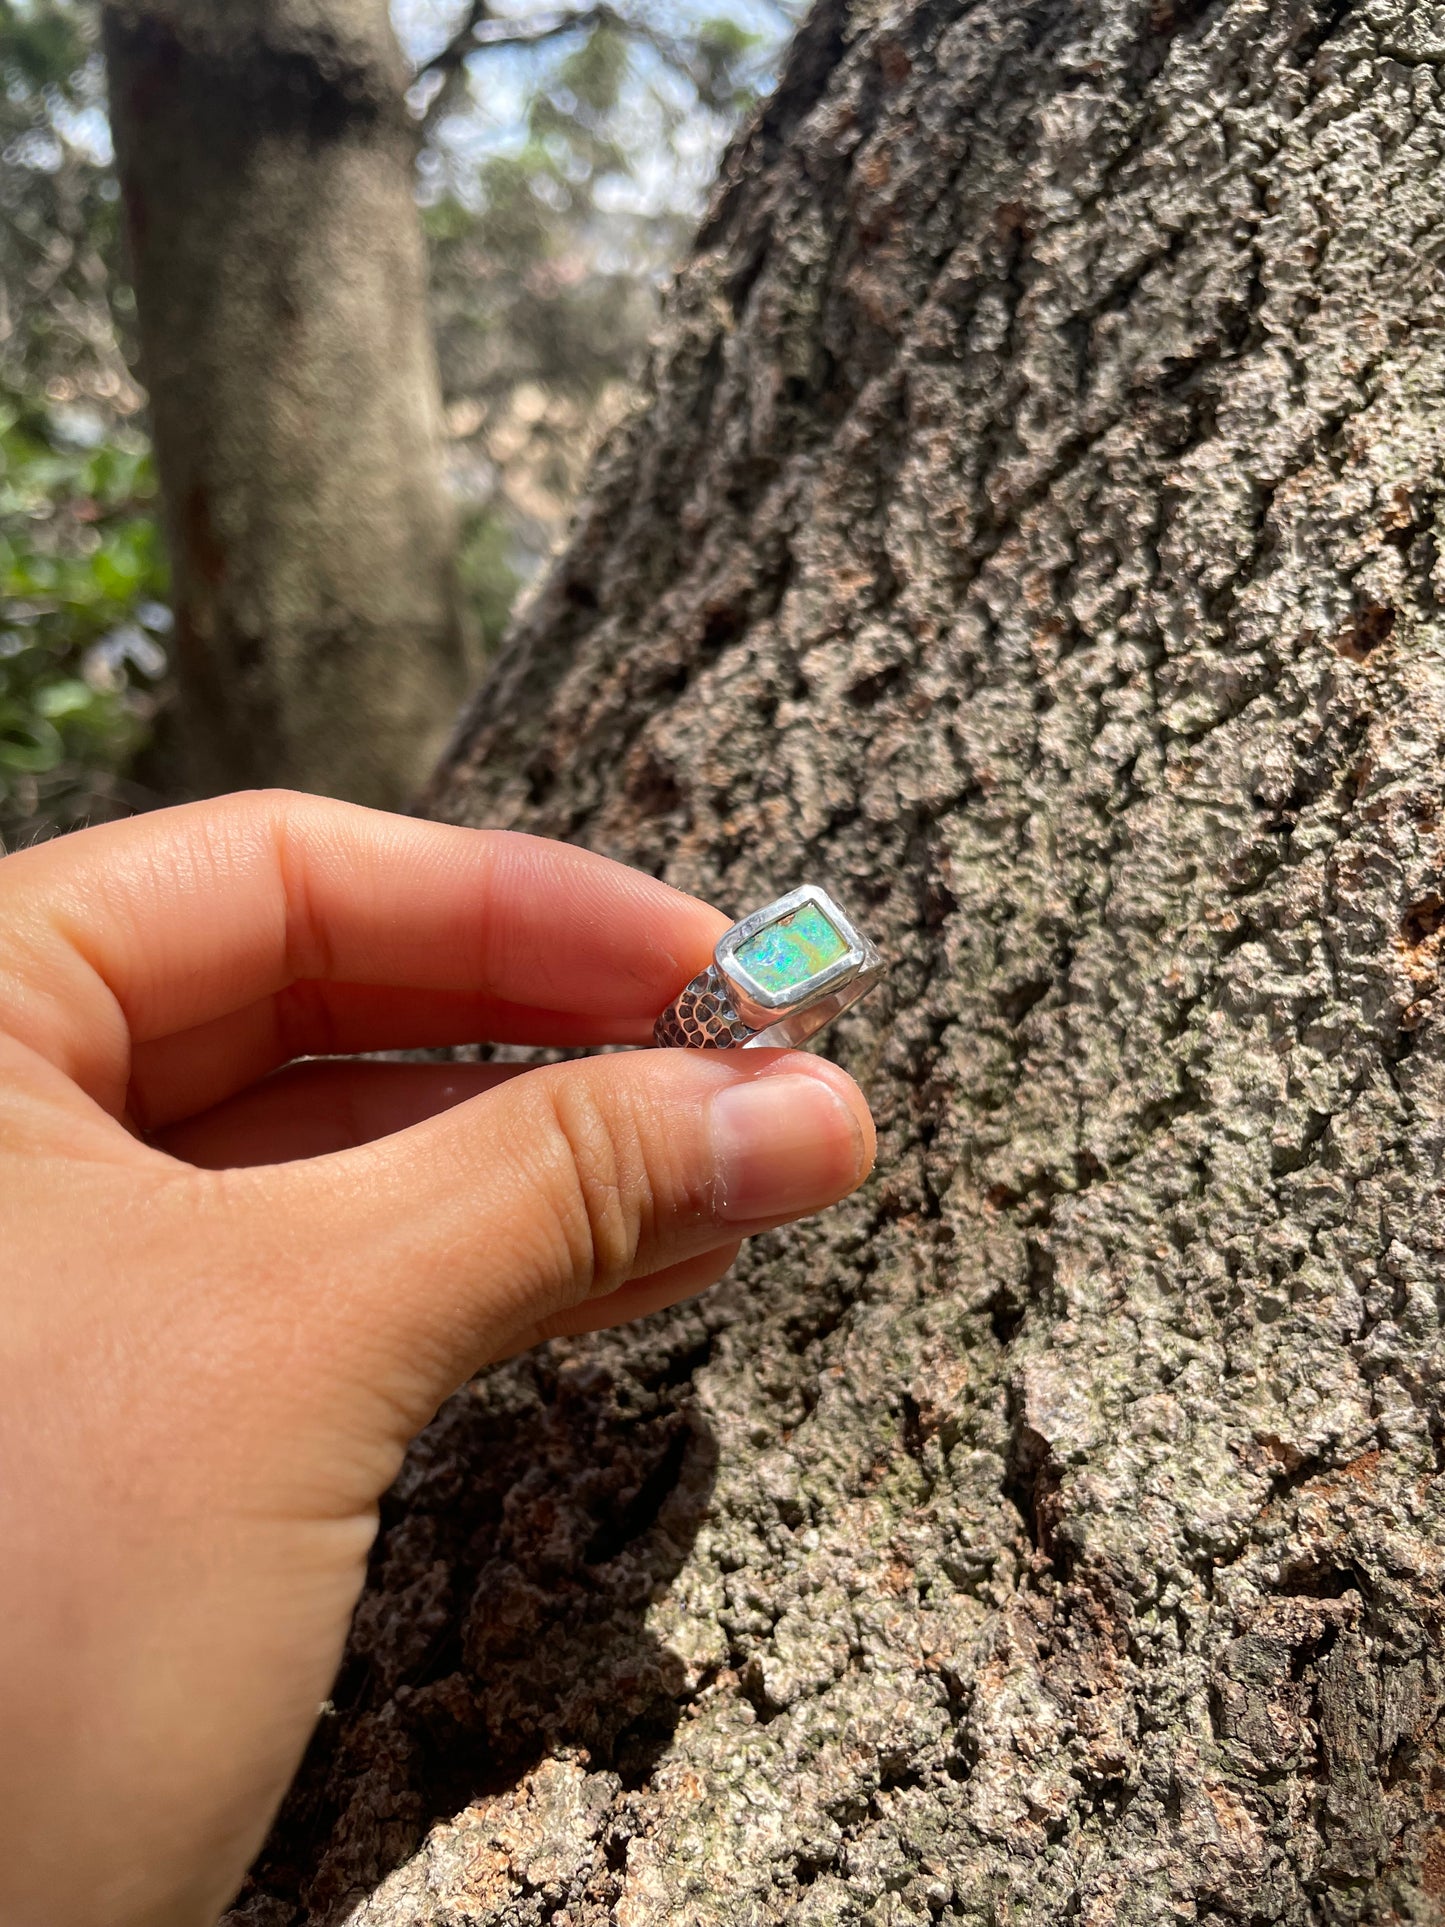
[266, 160]
[1030, 533]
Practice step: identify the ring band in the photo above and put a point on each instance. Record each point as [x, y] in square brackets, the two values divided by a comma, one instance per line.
[775, 980]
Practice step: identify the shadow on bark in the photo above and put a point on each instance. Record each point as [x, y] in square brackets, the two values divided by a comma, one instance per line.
[503, 1621]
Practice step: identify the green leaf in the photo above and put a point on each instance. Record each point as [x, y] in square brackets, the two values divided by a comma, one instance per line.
[595, 72]
[69, 697]
[723, 39]
[28, 744]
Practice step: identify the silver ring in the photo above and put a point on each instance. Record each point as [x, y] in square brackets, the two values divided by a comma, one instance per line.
[775, 978]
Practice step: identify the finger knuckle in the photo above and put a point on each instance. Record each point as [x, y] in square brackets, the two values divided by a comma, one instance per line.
[598, 1197]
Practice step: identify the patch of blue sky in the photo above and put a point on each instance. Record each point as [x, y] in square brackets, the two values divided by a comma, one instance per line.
[672, 140]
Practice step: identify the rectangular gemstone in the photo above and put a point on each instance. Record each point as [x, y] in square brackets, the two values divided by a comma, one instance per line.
[782, 956]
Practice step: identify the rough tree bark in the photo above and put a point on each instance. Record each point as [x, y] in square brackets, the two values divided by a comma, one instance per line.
[1031, 532]
[267, 160]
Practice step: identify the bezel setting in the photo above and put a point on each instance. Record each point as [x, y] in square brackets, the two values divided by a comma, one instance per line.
[757, 1004]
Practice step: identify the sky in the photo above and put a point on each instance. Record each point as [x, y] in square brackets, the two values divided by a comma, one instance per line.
[672, 167]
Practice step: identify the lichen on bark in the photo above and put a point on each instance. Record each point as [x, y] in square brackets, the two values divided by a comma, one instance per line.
[1030, 532]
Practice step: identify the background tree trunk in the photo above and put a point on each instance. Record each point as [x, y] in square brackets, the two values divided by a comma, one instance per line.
[1031, 534]
[266, 159]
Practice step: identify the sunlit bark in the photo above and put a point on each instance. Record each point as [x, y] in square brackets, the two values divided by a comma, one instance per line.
[1030, 534]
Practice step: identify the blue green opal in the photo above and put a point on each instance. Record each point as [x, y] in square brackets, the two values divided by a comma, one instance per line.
[784, 955]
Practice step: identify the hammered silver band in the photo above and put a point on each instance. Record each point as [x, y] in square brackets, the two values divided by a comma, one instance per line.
[702, 1017]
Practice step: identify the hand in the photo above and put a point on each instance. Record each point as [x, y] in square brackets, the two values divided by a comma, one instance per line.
[234, 1291]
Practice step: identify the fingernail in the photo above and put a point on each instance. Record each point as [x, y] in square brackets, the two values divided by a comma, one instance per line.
[784, 1145]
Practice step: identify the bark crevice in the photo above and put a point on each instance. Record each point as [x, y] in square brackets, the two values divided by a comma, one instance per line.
[1039, 553]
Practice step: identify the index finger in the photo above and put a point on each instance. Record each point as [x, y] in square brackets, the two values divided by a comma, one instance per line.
[135, 930]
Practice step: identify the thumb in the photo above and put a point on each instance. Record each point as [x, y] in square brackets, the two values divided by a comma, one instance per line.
[443, 1247]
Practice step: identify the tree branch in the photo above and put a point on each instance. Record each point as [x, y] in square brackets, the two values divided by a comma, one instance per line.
[475, 33]
[482, 29]
[462, 43]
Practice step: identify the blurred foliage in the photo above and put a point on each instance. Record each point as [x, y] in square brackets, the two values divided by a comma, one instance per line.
[564, 154]
[567, 155]
[82, 615]
[82, 582]
[58, 201]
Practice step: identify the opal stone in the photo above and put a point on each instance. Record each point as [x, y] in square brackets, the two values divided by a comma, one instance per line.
[784, 955]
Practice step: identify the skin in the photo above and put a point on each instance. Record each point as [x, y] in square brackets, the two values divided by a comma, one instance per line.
[235, 1290]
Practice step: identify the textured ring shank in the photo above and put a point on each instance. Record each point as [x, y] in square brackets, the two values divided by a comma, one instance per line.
[704, 1017]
